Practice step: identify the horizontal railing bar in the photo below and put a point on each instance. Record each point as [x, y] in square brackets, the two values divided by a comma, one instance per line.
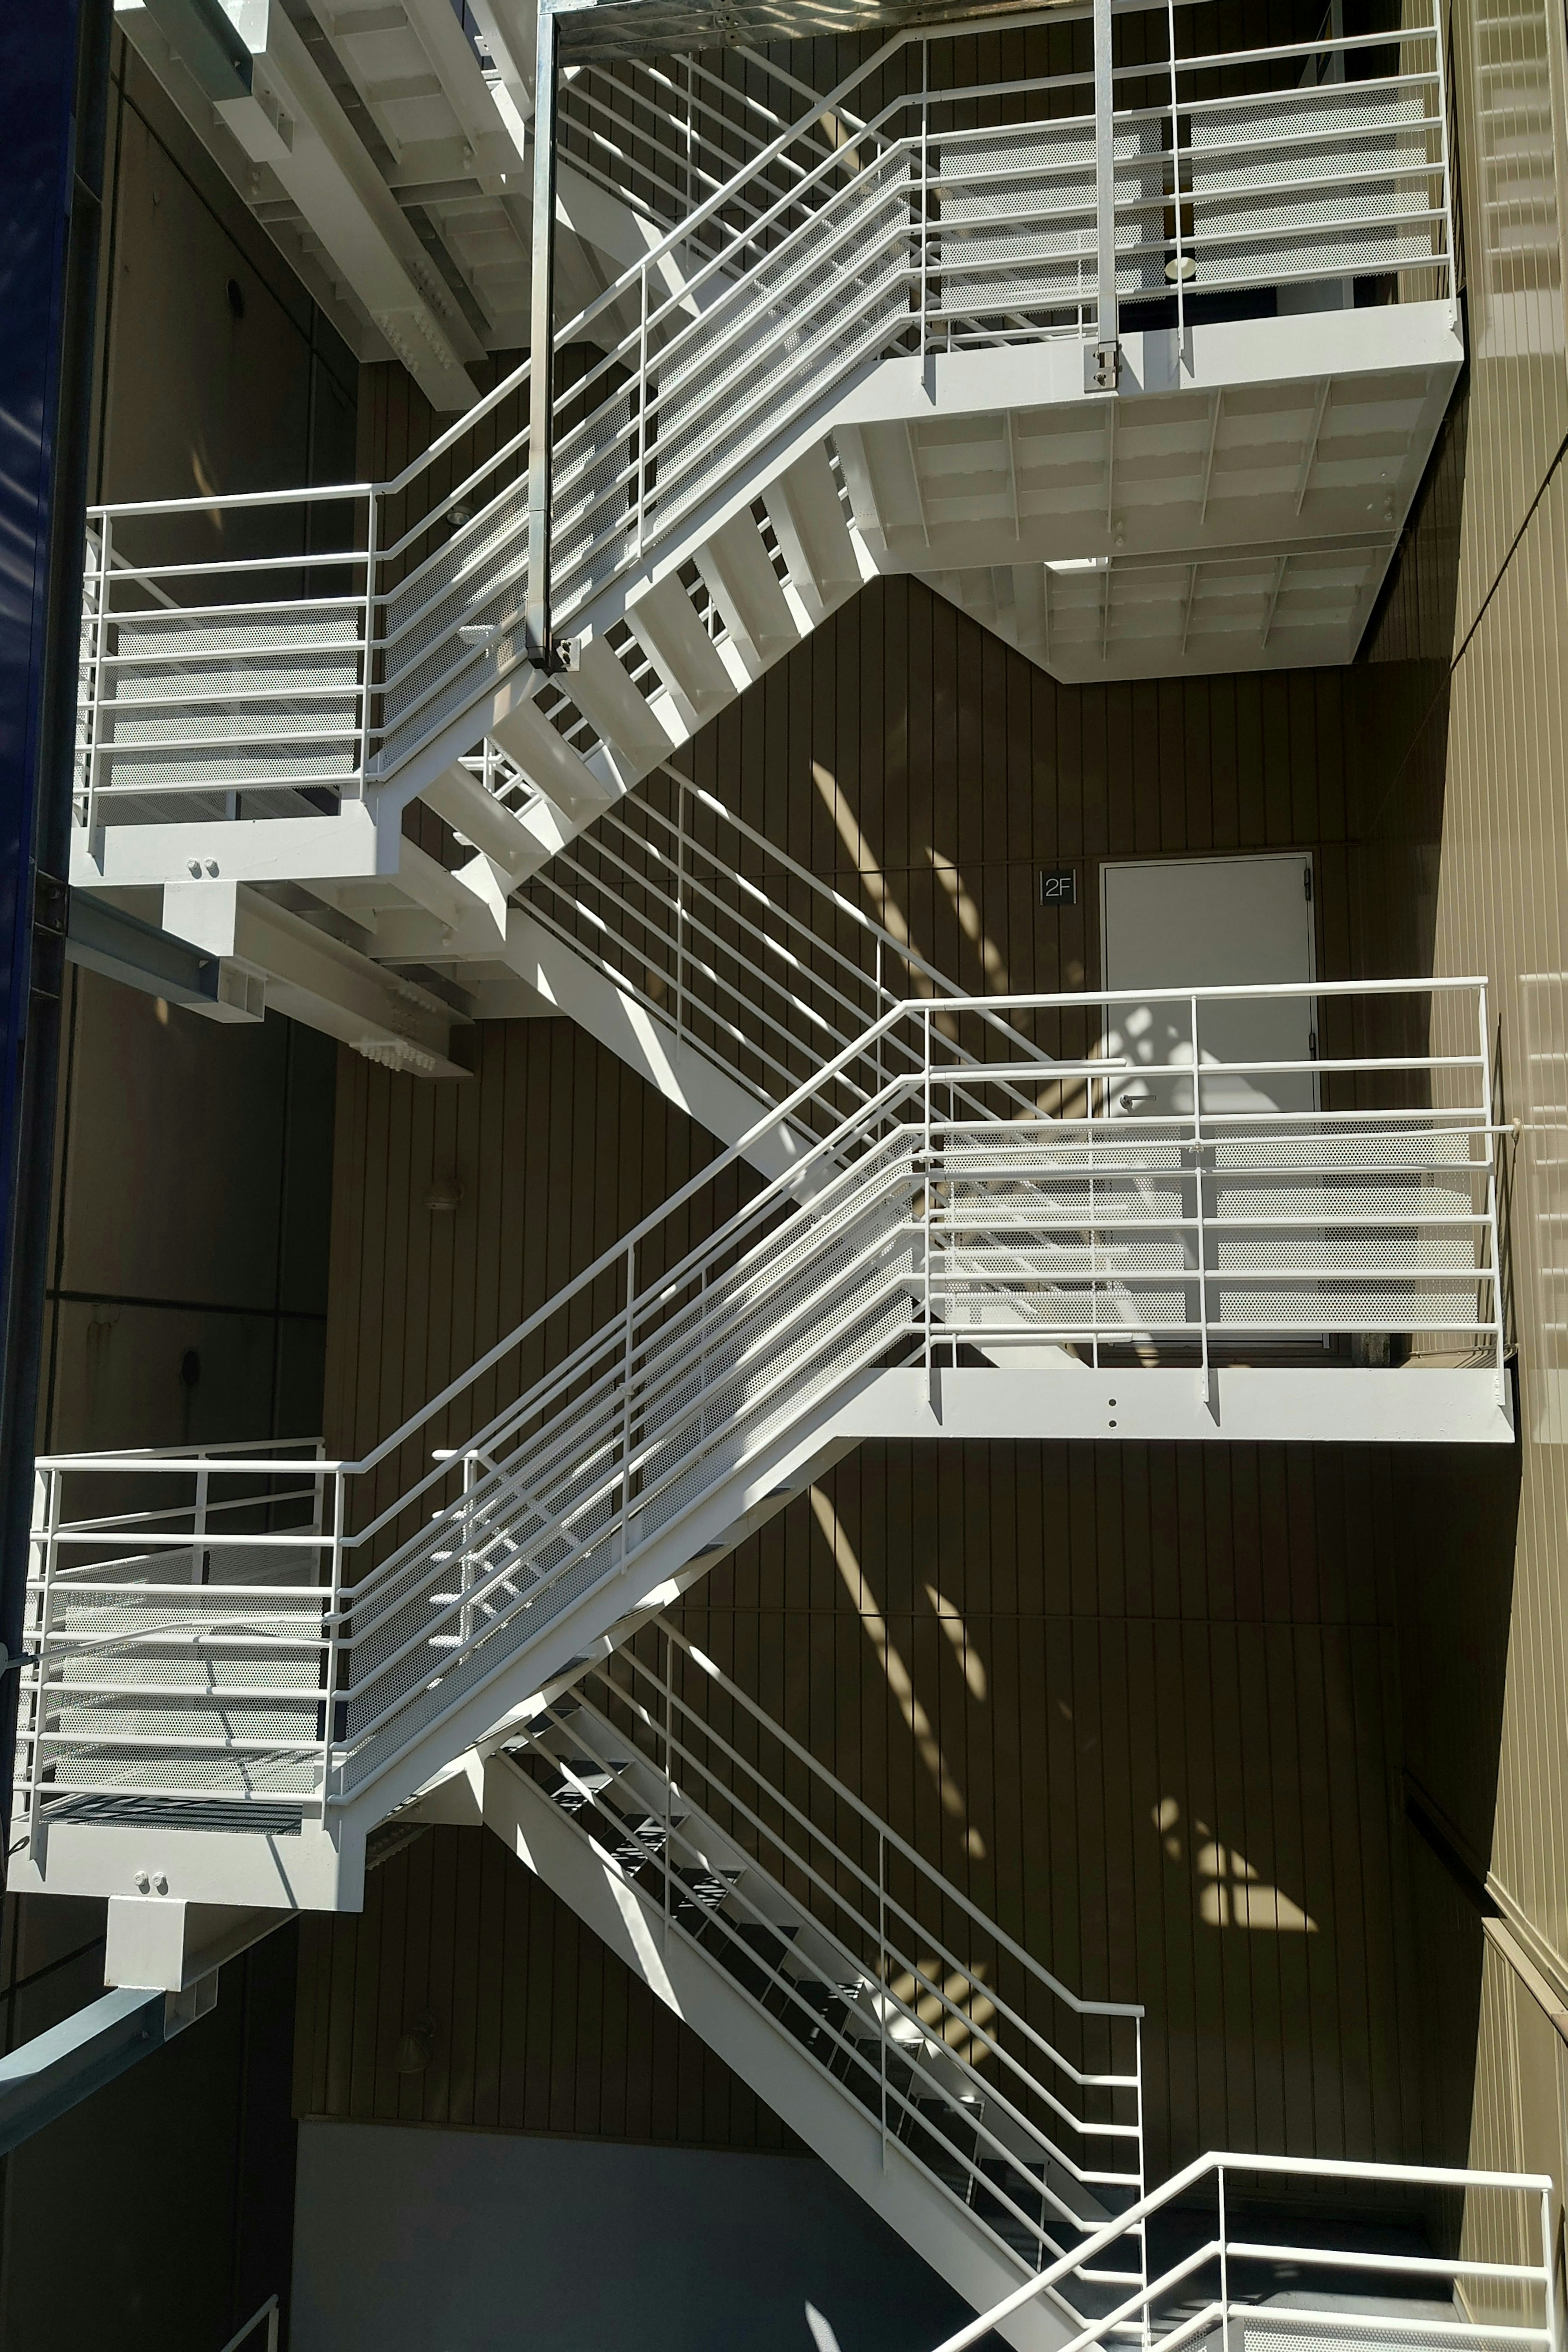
[1342, 2258]
[870, 1885]
[1217, 2164]
[851, 2045]
[803, 1756]
[930, 2034]
[313, 494]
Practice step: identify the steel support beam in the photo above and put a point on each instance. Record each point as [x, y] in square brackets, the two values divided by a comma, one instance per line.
[56, 2071]
[103, 938]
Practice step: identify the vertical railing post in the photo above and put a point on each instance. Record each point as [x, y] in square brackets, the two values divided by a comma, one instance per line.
[465, 1573]
[1549, 2269]
[1143, 2184]
[1224, 2265]
[923, 210]
[1176, 179]
[642, 404]
[334, 1637]
[881, 1009]
[1093, 1133]
[1449, 262]
[537, 625]
[1198, 1200]
[367, 683]
[319, 1489]
[43, 1622]
[1103, 359]
[199, 1526]
[626, 1406]
[1494, 1248]
[669, 1775]
[99, 636]
[272, 2327]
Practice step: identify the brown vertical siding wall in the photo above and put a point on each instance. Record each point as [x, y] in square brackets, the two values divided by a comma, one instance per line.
[1173, 1764]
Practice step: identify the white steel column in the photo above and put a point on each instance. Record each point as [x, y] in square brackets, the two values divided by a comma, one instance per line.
[1102, 361]
[541, 335]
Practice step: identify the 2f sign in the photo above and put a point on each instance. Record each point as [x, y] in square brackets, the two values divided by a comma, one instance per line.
[1058, 886]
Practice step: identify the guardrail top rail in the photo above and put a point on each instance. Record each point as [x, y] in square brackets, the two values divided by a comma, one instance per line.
[1252, 2261]
[1179, 1209]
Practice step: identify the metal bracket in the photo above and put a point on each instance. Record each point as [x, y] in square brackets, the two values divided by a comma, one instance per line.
[1102, 366]
[563, 655]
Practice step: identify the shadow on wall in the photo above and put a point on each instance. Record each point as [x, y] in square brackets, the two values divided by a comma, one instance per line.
[469, 2242]
[1460, 1515]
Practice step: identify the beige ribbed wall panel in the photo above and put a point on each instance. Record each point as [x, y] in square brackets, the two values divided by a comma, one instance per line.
[1508, 84]
[1502, 909]
[1462, 856]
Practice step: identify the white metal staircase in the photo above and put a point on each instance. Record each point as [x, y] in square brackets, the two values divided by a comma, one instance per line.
[230, 1685]
[979, 2106]
[857, 343]
[1260, 2250]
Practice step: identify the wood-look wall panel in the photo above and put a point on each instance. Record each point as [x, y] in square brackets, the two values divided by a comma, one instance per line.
[1206, 1628]
[534, 2024]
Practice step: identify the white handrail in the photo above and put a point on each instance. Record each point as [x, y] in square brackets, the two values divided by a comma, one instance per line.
[269, 2312]
[1216, 2166]
[906, 1229]
[889, 1959]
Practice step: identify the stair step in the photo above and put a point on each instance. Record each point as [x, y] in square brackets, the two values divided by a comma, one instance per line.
[808, 522]
[665, 622]
[707, 1888]
[550, 763]
[619, 712]
[743, 584]
[594, 1778]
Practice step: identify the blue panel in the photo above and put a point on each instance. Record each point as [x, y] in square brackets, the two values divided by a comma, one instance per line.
[50, 178]
[38, 76]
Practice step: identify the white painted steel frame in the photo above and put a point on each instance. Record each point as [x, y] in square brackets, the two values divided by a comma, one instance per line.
[1139, 2316]
[853, 1914]
[303, 1694]
[708, 329]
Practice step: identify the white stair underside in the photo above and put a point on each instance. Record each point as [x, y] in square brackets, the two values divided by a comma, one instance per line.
[1234, 507]
[762, 2052]
[308, 1870]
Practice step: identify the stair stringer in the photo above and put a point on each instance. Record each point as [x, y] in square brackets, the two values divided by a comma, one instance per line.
[572, 985]
[757, 2048]
[648, 1043]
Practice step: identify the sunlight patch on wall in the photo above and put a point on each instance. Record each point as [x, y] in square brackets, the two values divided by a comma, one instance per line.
[900, 1681]
[890, 914]
[969, 921]
[1231, 1893]
[962, 1648]
[956, 2017]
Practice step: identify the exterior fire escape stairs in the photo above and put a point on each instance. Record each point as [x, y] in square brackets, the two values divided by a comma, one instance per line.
[957, 1217]
[1088, 350]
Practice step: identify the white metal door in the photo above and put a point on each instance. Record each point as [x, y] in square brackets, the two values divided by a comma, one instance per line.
[1208, 922]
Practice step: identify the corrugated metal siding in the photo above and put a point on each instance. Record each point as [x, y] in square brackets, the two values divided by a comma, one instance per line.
[1465, 859]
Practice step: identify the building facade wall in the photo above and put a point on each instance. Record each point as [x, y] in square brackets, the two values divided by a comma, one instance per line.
[1178, 1670]
[1467, 831]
